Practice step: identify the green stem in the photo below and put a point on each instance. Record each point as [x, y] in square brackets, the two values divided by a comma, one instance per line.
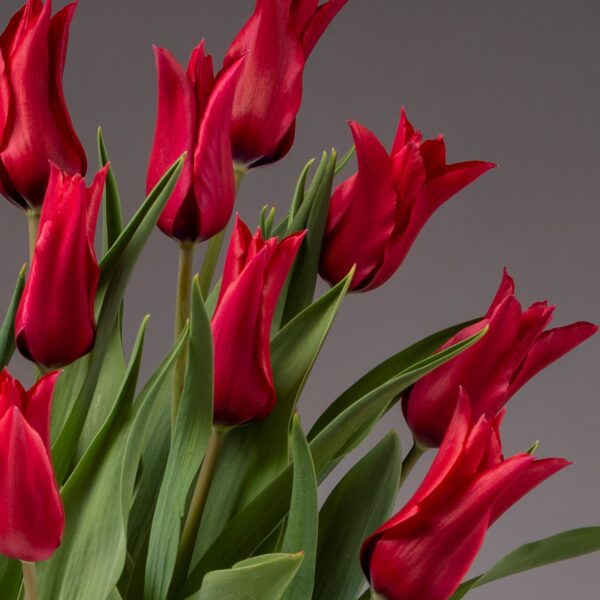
[29, 580]
[410, 460]
[197, 504]
[33, 222]
[182, 314]
[213, 250]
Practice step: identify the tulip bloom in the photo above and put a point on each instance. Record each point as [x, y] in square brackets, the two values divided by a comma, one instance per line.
[427, 548]
[514, 349]
[31, 512]
[55, 322]
[254, 273]
[194, 116]
[35, 126]
[376, 214]
[278, 39]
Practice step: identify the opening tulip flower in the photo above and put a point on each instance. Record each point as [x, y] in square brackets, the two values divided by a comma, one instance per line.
[376, 214]
[194, 116]
[278, 39]
[515, 348]
[55, 322]
[31, 512]
[254, 273]
[35, 126]
[427, 548]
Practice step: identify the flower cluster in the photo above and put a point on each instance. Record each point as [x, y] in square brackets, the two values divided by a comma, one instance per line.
[215, 128]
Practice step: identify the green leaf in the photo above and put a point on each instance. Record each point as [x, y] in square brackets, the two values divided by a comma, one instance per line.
[122, 258]
[311, 216]
[98, 494]
[10, 578]
[7, 330]
[562, 546]
[260, 578]
[188, 447]
[113, 212]
[302, 527]
[299, 192]
[386, 371]
[360, 502]
[259, 518]
[341, 164]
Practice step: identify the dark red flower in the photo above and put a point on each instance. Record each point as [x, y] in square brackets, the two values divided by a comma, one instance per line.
[35, 126]
[514, 349]
[55, 322]
[194, 116]
[32, 519]
[254, 274]
[426, 549]
[277, 39]
[376, 214]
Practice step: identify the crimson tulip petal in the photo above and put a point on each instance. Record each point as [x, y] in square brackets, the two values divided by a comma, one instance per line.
[31, 512]
[361, 214]
[174, 134]
[213, 180]
[38, 405]
[319, 22]
[549, 347]
[535, 474]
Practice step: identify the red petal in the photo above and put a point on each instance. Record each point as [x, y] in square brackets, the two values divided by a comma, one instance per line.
[361, 214]
[175, 131]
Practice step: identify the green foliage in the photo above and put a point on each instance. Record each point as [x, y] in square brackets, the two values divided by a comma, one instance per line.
[360, 502]
[559, 547]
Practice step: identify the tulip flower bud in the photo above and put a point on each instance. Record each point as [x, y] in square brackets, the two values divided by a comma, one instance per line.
[426, 549]
[514, 349]
[278, 39]
[254, 274]
[376, 214]
[194, 116]
[34, 122]
[55, 322]
[31, 513]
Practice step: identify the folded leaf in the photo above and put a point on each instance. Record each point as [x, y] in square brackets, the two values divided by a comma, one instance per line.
[360, 502]
[7, 330]
[302, 526]
[562, 546]
[260, 578]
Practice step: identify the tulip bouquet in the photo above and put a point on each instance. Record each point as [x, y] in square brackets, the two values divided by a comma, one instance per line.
[201, 481]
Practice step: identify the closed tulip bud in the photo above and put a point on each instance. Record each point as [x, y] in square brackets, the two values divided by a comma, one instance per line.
[55, 322]
[376, 214]
[194, 116]
[35, 126]
[514, 349]
[278, 39]
[426, 549]
[254, 273]
[31, 513]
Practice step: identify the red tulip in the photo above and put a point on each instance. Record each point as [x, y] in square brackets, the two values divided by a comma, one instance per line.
[35, 126]
[254, 273]
[278, 37]
[514, 349]
[376, 215]
[427, 548]
[31, 512]
[55, 322]
[194, 116]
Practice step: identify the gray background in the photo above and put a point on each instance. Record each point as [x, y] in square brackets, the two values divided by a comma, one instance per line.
[514, 82]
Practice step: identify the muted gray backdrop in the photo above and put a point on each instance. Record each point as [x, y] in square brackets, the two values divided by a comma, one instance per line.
[516, 82]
